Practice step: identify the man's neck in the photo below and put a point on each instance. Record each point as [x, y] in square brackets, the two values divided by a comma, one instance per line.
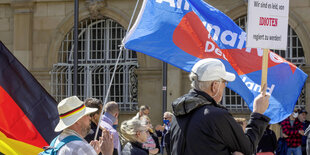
[207, 95]
[71, 130]
[76, 130]
[111, 117]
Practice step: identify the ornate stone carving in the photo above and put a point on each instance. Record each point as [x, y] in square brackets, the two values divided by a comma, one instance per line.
[95, 7]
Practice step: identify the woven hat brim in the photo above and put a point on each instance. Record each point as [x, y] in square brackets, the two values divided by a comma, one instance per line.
[70, 120]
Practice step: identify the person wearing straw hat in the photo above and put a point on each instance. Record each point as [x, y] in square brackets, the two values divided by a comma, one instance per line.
[75, 121]
[202, 126]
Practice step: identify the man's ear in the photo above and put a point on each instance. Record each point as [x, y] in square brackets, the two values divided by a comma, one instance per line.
[95, 116]
[213, 86]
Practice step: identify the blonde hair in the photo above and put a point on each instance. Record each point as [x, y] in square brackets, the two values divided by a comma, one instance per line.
[145, 119]
[129, 129]
[168, 113]
[144, 107]
[240, 120]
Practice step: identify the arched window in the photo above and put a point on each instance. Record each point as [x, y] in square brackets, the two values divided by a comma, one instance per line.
[98, 50]
[294, 54]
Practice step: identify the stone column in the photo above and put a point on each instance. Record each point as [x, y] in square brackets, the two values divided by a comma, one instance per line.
[306, 69]
[22, 31]
[174, 85]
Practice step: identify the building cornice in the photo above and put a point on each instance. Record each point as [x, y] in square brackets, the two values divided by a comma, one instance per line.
[21, 6]
[148, 71]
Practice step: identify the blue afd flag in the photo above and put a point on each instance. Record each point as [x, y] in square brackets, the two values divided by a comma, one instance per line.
[182, 32]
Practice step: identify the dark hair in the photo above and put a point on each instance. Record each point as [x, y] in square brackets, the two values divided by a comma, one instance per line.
[94, 103]
[302, 110]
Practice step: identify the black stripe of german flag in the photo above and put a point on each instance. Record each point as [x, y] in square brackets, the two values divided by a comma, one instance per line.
[27, 112]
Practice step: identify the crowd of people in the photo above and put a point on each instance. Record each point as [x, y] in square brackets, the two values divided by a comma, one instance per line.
[197, 125]
[294, 133]
[79, 121]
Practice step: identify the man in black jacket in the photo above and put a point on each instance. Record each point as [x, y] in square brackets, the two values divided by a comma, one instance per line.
[163, 132]
[202, 126]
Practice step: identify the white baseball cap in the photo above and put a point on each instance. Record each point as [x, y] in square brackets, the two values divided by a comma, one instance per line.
[211, 69]
[70, 110]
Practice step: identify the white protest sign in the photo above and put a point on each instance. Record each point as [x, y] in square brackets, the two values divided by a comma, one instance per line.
[267, 24]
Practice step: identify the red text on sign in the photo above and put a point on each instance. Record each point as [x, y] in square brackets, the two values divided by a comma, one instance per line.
[265, 21]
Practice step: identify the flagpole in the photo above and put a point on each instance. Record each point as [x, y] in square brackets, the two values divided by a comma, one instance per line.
[75, 50]
[115, 67]
[109, 88]
[264, 68]
[164, 89]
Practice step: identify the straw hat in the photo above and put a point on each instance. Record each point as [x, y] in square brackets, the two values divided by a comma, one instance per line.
[70, 110]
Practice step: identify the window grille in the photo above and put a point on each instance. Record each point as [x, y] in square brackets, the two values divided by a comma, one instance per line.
[98, 51]
[294, 54]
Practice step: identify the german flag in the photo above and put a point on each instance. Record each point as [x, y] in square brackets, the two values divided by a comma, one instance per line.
[28, 114]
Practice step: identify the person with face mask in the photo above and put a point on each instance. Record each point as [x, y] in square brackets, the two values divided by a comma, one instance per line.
[293, 131]
[163, 132]
[202, 126]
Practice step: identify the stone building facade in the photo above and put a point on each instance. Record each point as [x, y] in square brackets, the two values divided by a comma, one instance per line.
[39, 34]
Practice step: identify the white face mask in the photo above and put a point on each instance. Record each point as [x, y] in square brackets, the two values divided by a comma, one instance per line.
[295, 114]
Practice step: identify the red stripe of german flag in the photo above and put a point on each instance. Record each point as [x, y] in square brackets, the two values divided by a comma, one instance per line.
[28, 114]
[15, 124]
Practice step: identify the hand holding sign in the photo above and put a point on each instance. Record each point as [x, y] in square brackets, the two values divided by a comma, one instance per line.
[267, 24]
[261, 102]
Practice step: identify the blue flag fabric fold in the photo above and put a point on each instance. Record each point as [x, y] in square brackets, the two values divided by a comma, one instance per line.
[182, 32]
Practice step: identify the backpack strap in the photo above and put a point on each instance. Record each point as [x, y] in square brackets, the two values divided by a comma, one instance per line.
[54, 141]
[51, 144]
[65, 141]
[52, 149]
